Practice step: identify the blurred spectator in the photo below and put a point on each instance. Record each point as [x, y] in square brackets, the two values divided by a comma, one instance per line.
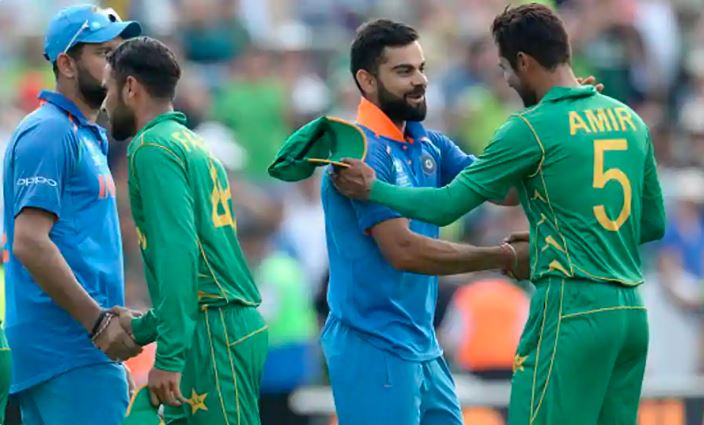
[254, 105]
[483, 326]
[303, 230]
[288, 309]
[211, 30]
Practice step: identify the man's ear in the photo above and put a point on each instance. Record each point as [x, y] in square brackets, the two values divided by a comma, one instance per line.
[366, 80]
[66, 66]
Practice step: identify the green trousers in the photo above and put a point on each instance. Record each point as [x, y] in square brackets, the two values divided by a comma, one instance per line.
[581, 358]
[223, 369]
[5, 373]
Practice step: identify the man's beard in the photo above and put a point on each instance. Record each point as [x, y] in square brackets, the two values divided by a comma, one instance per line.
[123, 122]
[90, 89]
[529, 98]
[398, 108]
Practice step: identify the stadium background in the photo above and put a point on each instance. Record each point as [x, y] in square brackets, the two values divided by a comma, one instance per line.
[256, 69]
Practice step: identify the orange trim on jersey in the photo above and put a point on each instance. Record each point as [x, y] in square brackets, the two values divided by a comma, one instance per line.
[370, 116]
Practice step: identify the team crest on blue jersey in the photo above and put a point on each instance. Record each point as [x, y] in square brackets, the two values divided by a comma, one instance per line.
[428, 163]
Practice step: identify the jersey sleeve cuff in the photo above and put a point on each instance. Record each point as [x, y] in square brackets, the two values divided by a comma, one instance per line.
[144, 329]
[43, 205]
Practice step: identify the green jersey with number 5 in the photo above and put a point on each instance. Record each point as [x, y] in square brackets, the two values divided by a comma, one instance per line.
[586, 174]
[182, 208]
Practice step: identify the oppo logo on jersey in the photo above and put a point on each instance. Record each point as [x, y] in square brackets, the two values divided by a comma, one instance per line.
[28, 181]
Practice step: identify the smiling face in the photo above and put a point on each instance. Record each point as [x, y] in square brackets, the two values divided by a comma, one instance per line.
[398, 84]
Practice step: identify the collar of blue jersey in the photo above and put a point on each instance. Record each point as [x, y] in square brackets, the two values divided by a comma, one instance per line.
[66, 104]
[557, 93]
[370, 116]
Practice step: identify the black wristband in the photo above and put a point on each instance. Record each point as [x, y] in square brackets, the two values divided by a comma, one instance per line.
[98, 321]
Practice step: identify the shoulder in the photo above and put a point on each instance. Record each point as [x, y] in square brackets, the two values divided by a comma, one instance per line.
[45, 128]
[167, 139]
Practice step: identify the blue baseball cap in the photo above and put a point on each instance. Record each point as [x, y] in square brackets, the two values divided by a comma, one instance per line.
[85, 24]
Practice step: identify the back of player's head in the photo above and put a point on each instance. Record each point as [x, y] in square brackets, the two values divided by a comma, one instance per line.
[372, 38]
[534, 30]
[150, 62]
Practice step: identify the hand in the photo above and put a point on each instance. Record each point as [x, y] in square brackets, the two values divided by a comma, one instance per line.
[354, 181]
[521, 271]
[115, 342]
[591, 81]
[165, 388]
[125, 317]
[517, 237]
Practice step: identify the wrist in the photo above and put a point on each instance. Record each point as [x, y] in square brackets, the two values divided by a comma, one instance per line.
[509, 258]
[92, 320]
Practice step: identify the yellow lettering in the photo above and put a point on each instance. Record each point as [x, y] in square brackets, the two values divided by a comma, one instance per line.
[576, 123]
[614, 122]
[624, 116]
[599, 121]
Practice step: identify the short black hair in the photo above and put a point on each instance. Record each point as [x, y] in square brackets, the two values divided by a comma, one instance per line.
[151, 62]
[75, 52]
[534, 30]
[371, 40]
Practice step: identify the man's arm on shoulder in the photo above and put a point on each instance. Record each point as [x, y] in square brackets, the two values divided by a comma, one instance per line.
[454, 160]
[411, 252]
[513, 155]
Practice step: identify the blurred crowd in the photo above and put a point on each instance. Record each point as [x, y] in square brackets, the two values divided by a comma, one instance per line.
[254, 70]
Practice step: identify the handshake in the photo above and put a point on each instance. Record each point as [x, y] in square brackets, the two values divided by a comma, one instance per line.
[519, 246]
[112, 334]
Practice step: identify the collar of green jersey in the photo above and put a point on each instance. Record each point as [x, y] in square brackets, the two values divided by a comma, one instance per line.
[166, 116]
[558, 93]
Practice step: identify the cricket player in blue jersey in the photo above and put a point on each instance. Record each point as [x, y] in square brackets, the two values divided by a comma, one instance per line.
[65, 256]
[384, 360]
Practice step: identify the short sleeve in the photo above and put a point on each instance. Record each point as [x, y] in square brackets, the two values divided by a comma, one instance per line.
[370, 214]
[43, 156]
[513, 154]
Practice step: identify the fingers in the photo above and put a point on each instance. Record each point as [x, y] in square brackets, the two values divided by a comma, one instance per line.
[153, 397]
[176, 390]
[167, 392]
[116, 343]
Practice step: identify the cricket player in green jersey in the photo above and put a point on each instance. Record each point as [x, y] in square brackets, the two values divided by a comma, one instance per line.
[584, 167]
[211, 340]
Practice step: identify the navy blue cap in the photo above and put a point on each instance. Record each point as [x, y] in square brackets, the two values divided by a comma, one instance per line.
[85, 24]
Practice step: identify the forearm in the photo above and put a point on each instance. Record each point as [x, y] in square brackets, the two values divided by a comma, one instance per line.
[144, 328]
[437, 257]
[440, 206]
[177, 308]
[42, 258]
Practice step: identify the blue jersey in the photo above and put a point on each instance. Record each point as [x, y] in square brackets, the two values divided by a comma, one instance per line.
[393, 310]
[57, 162]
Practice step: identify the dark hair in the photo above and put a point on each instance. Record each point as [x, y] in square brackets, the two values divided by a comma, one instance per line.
[372, 37]
[75, 52]
[148, 60]
[534, 30]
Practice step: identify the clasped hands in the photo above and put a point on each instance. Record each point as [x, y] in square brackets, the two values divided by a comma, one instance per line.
[113, 334]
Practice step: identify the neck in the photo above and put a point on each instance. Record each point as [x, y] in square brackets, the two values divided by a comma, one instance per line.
[562, 76]
[72, 93]
[151, 110]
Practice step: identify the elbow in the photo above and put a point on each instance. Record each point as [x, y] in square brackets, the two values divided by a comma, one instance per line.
[402, 256]
[24, 247]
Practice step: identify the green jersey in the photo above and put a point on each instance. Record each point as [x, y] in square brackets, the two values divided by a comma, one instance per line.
[182, 208]
[585, 171]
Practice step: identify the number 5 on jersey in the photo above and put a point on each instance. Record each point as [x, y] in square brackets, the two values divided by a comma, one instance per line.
[602, 177]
